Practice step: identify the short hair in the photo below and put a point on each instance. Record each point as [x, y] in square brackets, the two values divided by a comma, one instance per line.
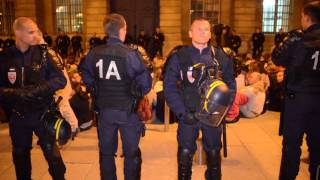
[312, 9]
[20, 23]
[199, 19]
[113, 23]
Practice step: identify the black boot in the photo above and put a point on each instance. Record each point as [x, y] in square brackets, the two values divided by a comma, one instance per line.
[184, 164]
[22, 163]
[213, 171]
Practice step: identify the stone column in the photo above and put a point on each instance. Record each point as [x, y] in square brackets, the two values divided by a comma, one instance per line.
[93, 13]
[25, 8]
[170, 23]
[246, 18]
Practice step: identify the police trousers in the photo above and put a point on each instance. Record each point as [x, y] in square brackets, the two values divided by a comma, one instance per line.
[21, 132]
[109, 123]
[301, 115]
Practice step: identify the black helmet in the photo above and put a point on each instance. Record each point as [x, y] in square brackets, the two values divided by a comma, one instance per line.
[215, 101]
[57, 127]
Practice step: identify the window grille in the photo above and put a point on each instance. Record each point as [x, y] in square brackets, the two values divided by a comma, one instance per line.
[69, 15]
[275, 15]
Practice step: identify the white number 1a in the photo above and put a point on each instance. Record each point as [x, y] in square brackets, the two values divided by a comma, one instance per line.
[112, 70]
[315, 56]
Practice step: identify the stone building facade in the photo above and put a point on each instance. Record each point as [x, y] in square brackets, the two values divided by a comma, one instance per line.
[243, 15]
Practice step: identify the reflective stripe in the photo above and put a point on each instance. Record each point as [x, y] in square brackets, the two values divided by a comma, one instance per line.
[58, 127]
[212, 86]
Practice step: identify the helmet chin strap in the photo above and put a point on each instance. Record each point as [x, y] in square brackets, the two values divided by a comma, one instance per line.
[216, 63]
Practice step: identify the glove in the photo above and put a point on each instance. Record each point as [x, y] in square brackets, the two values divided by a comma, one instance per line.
[29, 94]
[36, 93]
[135, 90]
[190, 119]
[292, 37]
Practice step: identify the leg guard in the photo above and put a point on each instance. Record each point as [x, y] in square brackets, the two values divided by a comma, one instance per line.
[22, 163]
[184, 164]
[213, 171]
[57, 168]
[132, 168]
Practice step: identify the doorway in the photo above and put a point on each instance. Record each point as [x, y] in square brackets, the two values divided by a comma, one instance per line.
[140, 15]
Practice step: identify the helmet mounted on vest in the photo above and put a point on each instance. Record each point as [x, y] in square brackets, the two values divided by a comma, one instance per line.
[57, 127]
[214, 102]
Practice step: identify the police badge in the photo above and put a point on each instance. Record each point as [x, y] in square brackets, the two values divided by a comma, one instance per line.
[12, 75]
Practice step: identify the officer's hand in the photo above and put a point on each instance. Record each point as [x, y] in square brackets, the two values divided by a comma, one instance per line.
[190, 119]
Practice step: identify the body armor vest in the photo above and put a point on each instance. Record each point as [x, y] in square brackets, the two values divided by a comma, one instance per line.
[190, 93]
[190, 81]
[113, 85]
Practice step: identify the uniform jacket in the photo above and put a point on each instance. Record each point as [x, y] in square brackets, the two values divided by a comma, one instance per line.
[173, 94]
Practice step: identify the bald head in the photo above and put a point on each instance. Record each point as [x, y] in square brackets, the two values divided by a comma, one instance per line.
[21, 23]
[26, 32]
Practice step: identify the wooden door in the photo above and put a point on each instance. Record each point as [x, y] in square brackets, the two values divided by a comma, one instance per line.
[140, 15]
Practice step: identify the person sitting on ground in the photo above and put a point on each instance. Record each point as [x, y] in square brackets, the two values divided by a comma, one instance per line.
[256, 94]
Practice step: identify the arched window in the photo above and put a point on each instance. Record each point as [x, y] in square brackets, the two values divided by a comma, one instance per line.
[69, 16]
[6, 16]
[209, 9]
[275, 15]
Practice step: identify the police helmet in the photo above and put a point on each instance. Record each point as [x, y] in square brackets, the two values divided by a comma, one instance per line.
[57, 127]
[215, 100]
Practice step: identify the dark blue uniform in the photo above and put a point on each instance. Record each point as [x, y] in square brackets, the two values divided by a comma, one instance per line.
[27, 85]
[300, 56]
[110, 70]
[188, 133]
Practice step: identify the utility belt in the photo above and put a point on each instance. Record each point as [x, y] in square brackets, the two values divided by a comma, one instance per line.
[22, 109]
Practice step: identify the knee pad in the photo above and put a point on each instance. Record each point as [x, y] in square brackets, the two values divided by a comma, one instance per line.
[213, 157]
[184, 156]
[133, 154]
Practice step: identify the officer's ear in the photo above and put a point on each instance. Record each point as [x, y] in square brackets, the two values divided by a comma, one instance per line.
[190, 33]
[17, 33]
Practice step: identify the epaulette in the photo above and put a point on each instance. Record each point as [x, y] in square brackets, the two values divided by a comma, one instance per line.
[131, 47]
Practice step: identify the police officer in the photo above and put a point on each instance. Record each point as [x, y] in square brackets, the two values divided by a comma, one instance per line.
[257, 42]
[94, 41]
[2, 45]
[63, 42]
[110, 71]
[299, 53]
[47, 38]
[235, 41]
[278, 38]
[9, 42]
[184, 100]
[27, 84]
[76, 44]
